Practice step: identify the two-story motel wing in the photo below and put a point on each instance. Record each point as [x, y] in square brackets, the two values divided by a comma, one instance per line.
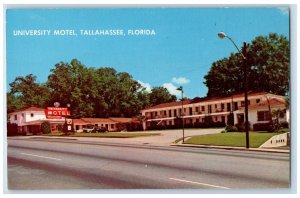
[219, 108]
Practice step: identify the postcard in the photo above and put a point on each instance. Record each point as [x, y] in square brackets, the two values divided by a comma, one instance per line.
[188, 98]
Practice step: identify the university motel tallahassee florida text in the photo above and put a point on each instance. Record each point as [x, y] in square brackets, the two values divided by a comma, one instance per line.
[219, 110]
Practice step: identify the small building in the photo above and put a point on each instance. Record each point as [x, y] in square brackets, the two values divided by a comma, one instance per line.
[110, 124]
[29, 120]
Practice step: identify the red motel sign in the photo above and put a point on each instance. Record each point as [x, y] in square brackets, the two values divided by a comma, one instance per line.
[56, 112]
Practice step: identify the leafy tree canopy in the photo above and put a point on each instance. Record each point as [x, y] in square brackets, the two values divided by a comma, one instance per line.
[90, 92]
[267, 60]
[160, 95]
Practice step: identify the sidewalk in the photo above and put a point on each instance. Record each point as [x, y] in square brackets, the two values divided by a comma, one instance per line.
[285, 149]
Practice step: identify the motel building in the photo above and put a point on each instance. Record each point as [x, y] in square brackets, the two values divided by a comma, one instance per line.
[110, 124]
[29, 121]
[218, 108]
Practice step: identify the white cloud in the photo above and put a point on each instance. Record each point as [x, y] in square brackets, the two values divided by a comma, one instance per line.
[146, 85]
[172, 89]
[180, 80]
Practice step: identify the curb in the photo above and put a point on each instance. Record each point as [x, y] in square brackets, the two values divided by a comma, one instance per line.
[231, 148]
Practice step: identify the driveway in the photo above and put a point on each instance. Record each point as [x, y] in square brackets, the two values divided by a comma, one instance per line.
[166, 138]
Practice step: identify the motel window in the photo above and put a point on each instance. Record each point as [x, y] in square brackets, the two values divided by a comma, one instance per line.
[235, 105]
[155, 113]
[191, 111]
[112, 126]
[263, 115]
[202, 108]
[257, 100]
[222, 106]
[243, 103]
[170, 113]
[228, 107]
[23, 115]
[175, 112]
[216, 106]
[209, 108]
[16, 117]
[197, 109]
[32, 115]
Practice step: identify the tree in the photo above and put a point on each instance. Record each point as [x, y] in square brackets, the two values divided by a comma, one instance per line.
[73, 83]
[14, 102]
[160, 95]
[24, 92]
[277, 114]
[91, 92]
[268, 66]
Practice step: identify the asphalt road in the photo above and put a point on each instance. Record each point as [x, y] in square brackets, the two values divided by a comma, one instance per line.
[35, 164]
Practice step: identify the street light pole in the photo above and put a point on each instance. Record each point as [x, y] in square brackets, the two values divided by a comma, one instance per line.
[223, 35]
[246, 95]
[181, 89]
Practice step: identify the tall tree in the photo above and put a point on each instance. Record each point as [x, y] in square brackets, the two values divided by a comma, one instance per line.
[160, 95]
[268, 66]
[25, 92]
[72, 83]
[92, 92]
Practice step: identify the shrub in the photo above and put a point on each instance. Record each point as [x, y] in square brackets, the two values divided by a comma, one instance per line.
[45, 127]
[263, 127]
[284, 124]
[12, 129]
[230, 128]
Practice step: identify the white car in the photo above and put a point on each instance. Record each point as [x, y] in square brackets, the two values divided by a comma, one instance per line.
[88, 129]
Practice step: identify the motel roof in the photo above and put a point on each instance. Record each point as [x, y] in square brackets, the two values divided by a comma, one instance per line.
[206, 99]
[273, 102]
[103, 120]
[29, 109]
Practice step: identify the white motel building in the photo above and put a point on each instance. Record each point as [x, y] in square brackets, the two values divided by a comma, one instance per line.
[29, 120]
[219, 108]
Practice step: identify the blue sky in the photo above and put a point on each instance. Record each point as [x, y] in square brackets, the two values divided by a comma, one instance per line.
[181, 52]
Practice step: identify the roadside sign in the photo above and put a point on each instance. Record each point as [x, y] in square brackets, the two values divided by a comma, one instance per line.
[69, 121]
[56, 112]
[69, 127]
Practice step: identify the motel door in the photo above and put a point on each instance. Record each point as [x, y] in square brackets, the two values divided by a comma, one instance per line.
[240, 118]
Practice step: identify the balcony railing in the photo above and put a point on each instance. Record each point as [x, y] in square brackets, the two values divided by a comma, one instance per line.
[218, 110]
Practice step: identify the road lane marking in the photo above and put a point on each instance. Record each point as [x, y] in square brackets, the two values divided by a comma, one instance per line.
[40, 156]
[203, 184]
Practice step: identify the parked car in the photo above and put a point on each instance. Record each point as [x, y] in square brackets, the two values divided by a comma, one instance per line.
[99, 129]
[88, 129]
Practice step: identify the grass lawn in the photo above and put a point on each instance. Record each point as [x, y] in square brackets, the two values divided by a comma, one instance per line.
[106, 135]
[237, 139]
